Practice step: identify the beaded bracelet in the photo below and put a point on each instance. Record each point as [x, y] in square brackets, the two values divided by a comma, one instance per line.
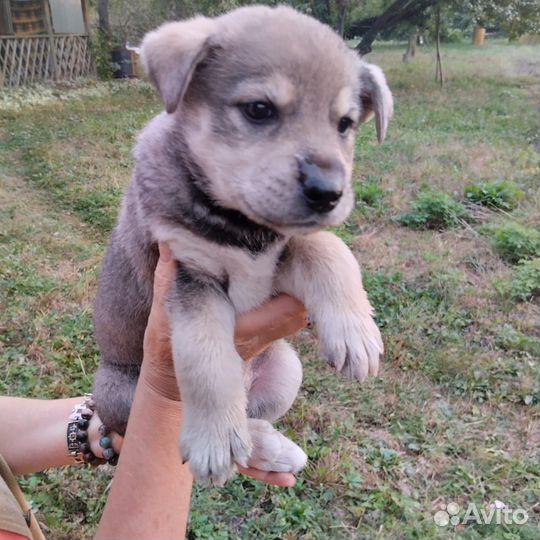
[106, 443]
[77, 435]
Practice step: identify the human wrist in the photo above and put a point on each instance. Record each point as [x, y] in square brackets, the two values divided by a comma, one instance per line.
[150, 448]
[157, 378]
[156, 397]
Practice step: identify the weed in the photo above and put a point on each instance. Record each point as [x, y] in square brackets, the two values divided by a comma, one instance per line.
[514, 242]
[433, 209]
[383, 459]
[510, 339]
[524, 282]
[369, 193]
[503, 195]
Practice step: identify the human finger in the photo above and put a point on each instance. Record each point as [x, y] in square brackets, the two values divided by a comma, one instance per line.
[158, 369]
[280, 317]
[95, 435]
[164, 273]
[279, 479]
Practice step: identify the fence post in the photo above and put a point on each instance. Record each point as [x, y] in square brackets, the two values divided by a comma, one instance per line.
[52, 47]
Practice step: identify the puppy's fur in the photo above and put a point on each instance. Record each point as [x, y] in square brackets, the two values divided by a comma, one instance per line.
[228, 195]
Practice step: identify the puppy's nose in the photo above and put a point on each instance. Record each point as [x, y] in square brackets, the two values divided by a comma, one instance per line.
[322, 186]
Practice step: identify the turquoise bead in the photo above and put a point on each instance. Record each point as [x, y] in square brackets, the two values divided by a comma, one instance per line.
[105, 442]
[108, 453]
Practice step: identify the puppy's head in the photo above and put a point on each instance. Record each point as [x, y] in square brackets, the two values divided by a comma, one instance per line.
[268, 101]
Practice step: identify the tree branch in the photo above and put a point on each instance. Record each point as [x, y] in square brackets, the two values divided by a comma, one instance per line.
[396, 13]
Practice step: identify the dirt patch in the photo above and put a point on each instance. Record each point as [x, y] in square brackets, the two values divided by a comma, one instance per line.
[392, 247]
[528, 68]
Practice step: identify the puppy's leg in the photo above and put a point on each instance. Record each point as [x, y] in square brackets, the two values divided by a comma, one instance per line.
[214, 433]
[114, 389]
[321, 271]
[273, 380]
[121, 313]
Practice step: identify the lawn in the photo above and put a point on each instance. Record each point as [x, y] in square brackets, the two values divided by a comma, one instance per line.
[446, 230]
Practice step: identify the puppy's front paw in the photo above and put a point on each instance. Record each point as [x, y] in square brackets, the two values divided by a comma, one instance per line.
[351, 343]
[213, 448]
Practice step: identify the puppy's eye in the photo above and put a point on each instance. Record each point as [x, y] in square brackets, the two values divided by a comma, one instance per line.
[259, 111]
[345, 123]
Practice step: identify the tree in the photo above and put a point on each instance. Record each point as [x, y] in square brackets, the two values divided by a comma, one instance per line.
[103, 17]
[335, 13]
[411, 46]
[515, 17]
[398, 12]
[342, 6]
[438, 68]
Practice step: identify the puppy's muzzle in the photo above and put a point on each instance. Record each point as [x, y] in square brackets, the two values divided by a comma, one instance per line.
[322, 184]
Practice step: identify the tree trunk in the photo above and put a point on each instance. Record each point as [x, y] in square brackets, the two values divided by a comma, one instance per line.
[411, 47]
[342, 7]
[438, 68]
[103, 16]
[328, 8]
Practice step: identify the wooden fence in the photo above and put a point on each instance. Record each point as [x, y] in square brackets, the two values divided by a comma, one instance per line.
[29, 59]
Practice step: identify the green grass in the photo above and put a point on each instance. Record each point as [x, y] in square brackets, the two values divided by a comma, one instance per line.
[454, 415]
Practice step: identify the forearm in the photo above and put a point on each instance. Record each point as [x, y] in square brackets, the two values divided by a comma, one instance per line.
[33, 433]
[150, 480]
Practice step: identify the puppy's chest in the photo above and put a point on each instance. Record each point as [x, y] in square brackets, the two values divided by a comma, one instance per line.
[249, 277]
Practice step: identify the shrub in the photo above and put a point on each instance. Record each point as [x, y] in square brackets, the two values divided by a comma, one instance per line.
[504, 195]
[433, 209]
[525, 282]
[515, 242]
[101, 47]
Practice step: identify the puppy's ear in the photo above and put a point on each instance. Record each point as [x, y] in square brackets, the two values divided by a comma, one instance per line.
[376, 98]
[171, 53]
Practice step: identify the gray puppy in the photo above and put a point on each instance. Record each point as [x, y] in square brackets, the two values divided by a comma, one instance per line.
[252, 159]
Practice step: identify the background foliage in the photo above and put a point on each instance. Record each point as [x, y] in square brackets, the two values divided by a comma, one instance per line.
[130, 19]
